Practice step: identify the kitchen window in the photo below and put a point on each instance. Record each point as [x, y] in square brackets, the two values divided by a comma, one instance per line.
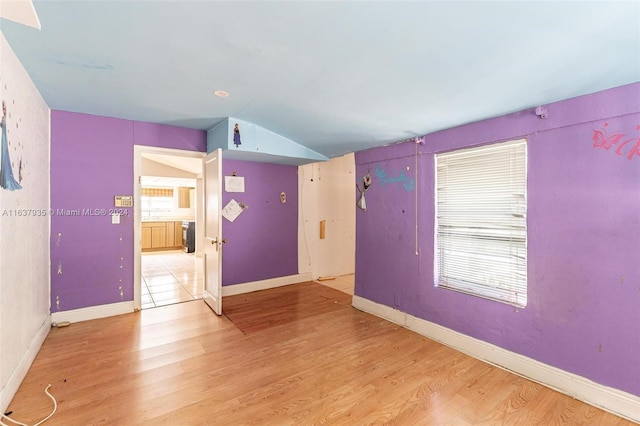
[481, 221]
[156, 202]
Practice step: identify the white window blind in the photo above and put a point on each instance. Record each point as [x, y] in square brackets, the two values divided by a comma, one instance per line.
[157, 192]
[481, 215]
[156, 202]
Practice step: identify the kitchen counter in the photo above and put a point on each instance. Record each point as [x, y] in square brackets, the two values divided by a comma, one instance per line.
[168, 219]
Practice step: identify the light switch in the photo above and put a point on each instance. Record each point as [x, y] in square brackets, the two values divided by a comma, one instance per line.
[115, 218]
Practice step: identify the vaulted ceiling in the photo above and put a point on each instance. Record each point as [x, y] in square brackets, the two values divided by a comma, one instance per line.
[335, 77]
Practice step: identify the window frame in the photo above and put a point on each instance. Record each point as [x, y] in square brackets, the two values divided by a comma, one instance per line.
[466, 233]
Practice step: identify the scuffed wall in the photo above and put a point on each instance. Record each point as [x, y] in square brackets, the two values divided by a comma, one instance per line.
[91, 162]
[583, 237]
[24, 223]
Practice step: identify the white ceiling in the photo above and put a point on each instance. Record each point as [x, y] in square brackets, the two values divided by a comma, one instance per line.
[333, 76]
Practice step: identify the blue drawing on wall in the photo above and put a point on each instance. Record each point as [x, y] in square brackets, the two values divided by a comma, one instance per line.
[236, 136]
[407, 183]
[7, 181]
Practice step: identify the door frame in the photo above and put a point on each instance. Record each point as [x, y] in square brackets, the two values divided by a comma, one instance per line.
[138, 151]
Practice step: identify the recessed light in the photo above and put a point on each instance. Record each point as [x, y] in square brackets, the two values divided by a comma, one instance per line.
[221, 93]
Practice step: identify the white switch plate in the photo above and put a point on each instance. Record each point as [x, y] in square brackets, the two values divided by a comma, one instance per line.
[115, 218]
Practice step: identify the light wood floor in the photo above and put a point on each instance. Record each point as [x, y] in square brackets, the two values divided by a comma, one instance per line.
[294, 355]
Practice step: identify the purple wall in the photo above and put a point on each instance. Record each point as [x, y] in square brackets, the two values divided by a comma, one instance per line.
[262, 242]
[91, 161]
[583, 311]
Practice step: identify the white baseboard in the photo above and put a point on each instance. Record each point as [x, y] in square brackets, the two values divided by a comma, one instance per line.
[19, 373]
[618, 402]
[232, 290]
[92, 312]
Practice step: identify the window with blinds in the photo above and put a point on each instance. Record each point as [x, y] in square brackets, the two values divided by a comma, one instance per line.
[157, 192]
[481, 221]
[156, 202]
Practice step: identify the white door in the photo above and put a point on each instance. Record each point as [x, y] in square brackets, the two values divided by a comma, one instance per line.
[212, 171]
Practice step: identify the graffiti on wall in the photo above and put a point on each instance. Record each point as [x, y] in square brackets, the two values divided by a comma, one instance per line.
[7, 179]
[617, 142]
[407, 183]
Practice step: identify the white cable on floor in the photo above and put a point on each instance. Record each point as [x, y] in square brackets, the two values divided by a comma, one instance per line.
[55, 407]
[14, 421]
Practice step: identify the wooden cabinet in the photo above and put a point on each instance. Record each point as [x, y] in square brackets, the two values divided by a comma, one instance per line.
[146, 237]
[183, 198]
[161, 235]
[169, 235]
[177, 230]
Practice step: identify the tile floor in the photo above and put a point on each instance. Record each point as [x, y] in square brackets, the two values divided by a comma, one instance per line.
[170, 277]
[343, 283]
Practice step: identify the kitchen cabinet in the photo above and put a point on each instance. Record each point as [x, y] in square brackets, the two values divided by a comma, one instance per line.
[146, 237]
[177, 231]
[185, 197]
[170, 238]
[161, 235]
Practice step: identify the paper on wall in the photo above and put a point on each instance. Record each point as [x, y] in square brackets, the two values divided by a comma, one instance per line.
[232, 210]
[234, 184]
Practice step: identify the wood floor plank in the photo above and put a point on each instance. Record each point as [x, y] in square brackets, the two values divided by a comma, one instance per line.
[293, 355]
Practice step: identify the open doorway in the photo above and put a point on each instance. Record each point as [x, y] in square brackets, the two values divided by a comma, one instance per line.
[168, 265]
[327, 221]
[170, 270]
